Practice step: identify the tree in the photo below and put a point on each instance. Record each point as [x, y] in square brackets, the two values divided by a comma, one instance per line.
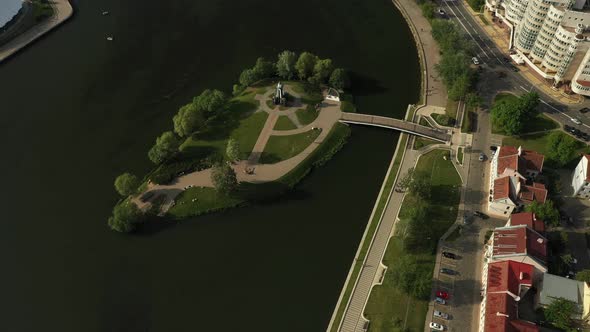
[224, 178]
[512, 115]
[305, 65]
[166, 146]
[211, 102]
[460, 86]
[322, 70]
[562, 148]
[188, 120]
[125, 217]
[405, 181]
[420, 185]
[340, 79]
[247, 77]
[233, 150]
[263, 69]
[545, 211]
[126, 184]
[559, 313]
[583, 275]
[286, 64]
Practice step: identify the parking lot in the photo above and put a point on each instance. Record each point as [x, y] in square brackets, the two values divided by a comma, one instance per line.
[463, 287]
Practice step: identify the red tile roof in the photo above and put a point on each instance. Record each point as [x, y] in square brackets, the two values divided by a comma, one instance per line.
[583, 83]
[529, 219]
[501, 309]
[502, 315]
[536, 192]
[508, 276]
[519, 241]
[502, 188]
[536, 245]
[508, 157]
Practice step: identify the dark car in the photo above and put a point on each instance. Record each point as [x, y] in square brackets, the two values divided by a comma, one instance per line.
[493, 147]
[584, 110]
[506, 60]
[514, 68]
[567, 128]
[449, 255]
[447, 271]
[481, 215]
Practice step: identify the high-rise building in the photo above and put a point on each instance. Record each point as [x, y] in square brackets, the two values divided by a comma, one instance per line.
[552, 38]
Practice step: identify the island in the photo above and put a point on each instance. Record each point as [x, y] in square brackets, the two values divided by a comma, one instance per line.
[281, 121]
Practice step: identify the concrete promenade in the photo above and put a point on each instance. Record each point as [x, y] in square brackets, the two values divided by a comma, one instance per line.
[63, 11]
[434, 97]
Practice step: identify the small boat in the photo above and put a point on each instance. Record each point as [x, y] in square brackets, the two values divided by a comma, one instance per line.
[105, 13]
[109, 38]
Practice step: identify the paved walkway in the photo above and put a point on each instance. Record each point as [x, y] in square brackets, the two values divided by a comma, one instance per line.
[329, 114]
[63, 11]
[402, 125]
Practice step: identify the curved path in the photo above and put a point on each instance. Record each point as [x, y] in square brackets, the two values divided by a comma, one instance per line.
[328, 116]
[63, 11]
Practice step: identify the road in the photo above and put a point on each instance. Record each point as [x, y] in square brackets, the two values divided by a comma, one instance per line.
[493, 60]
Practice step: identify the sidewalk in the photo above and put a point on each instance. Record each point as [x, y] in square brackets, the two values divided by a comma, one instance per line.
[499, 34]
[63, 11]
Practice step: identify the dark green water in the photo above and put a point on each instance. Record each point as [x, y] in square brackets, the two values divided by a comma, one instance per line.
[76, 110]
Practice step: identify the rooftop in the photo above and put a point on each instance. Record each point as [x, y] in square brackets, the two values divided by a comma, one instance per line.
[509, 276]
[519, 159]
[502, 315]
[502, 188]
[536, 192]
[519, 241]
[555, 287]
[529, 219]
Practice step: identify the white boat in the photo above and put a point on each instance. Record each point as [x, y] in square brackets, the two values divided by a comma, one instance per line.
[105, 13]
[109, 38]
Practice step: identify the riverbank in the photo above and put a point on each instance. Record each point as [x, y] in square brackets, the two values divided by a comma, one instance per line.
[63, 10]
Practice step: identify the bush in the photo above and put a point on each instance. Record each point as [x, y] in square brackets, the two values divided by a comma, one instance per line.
[443, 119]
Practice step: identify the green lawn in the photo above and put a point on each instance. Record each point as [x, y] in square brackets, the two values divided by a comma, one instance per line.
[421, 142]
[281, 148]
[284, 123]
[248, 131]
[389, 182]
[540, 123]
[460, 155]
[540, 143]
[199, 200]
[389, 309]
[307, 115]
[451, 108]
[443, 119]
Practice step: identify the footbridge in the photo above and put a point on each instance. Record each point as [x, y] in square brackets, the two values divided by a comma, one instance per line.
[436, 134]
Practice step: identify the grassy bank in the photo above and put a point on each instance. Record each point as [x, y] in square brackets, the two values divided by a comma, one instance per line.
[389, 307]
[279, 148]
[388, 186]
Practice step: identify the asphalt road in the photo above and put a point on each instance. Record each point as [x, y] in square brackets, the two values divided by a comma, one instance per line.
[492, 59]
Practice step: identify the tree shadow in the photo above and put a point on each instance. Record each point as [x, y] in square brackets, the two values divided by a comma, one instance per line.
[363, 85]
[267, 193]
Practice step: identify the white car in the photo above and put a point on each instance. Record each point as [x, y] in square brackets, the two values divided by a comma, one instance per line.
[576, 121]
[436, 326]
[440, 314]
[475, 61]
[438, 300]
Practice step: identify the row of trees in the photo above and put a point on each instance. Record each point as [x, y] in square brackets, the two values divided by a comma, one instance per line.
[288, 66]
[455, 63]
[511, 115]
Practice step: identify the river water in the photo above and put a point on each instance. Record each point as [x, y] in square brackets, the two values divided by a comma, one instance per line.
[76, 110]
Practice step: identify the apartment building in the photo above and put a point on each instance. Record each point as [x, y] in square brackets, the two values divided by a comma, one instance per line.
[581, 178]
[552, 38]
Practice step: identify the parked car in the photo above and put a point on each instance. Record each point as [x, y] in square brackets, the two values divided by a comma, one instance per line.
[576, 121]
[475, 61]
[482, 157]
[449, 255]
[493, 148]
[442, 294]
[441, 12]
[438, 300]
[436, 326]
[506, 60]
[584, 110]
[447, 271]
[440, 314]
[514, 68]
[480, 215]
